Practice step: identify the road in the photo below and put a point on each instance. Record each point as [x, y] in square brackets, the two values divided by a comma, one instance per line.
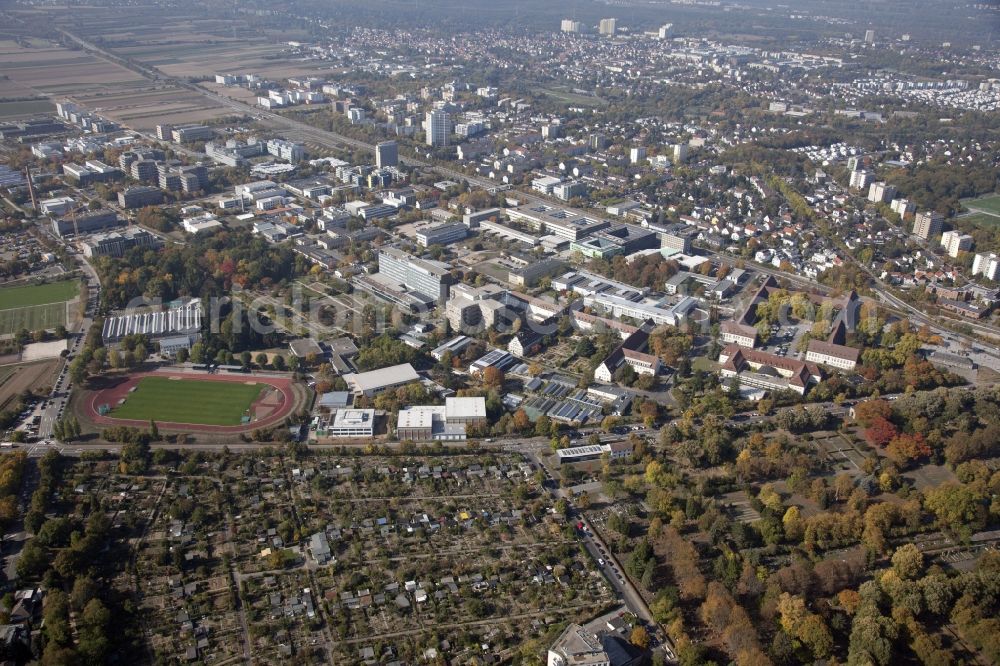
[594, 544]
[57, 400]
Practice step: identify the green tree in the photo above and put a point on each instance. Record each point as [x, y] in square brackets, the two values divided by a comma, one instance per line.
[94, 644]
[197, 353]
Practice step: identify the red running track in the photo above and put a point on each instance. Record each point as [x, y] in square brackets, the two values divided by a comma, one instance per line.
[111, 396]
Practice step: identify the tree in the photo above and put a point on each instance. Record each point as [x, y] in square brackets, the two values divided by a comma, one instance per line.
[880, 432]
[958, 507]
[154, 431]
[542, 426]
[182, 355]
[906, 448]
[279, 362]
[493, 377]
[866, 412]
[908, 562]
[197, 353]
[78, 370]
[639, 637]
[94, 644]
[793, 524]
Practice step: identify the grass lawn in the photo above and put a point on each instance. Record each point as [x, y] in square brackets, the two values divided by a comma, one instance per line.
[188, 401]
[981, 220]
[32, 318]
[36, 306]
[987, 204]
[704, 364]
[39, 294]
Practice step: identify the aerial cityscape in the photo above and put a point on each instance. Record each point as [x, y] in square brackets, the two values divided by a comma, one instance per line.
[573, 333]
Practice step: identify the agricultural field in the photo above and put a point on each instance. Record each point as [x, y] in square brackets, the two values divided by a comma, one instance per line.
[989, 204]
[25, 108]
[35, 307]
[17, 378]
[188, 401]
[52, 70]
[109, 89]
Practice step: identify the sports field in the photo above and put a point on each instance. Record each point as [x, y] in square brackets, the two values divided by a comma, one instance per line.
[988, 204]
[35, 306]
[188, 401]
[981, 220]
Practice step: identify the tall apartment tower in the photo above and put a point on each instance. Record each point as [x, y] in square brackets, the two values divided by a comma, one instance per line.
[869, 36]
[927, 224]
[569, 25]
[436, 127]
[987, 265]
[386, 154]
[608, 26]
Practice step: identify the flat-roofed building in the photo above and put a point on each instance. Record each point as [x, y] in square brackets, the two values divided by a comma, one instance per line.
[473, 219]
[620, 239]
[987, 265]
[430, 278]
[561, 222]
[375, 381]
[927, 224]
[445, 423]
[352, 423]
[472, 309]
[659, 312]
[187, 133]
[117, 243]
[531, 273]
[465, 410]
[86, 222]
[57, 205]
[510, 233]
[441, 234]
[140, 196]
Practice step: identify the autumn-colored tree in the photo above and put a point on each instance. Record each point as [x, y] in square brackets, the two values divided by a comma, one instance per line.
[493, 377]
[880, 432]
[906, 448]
[958, 507]
[866, 412]
[908, 562]
[521, 421]
[849, 600]
[639, 637]
[792, 522]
